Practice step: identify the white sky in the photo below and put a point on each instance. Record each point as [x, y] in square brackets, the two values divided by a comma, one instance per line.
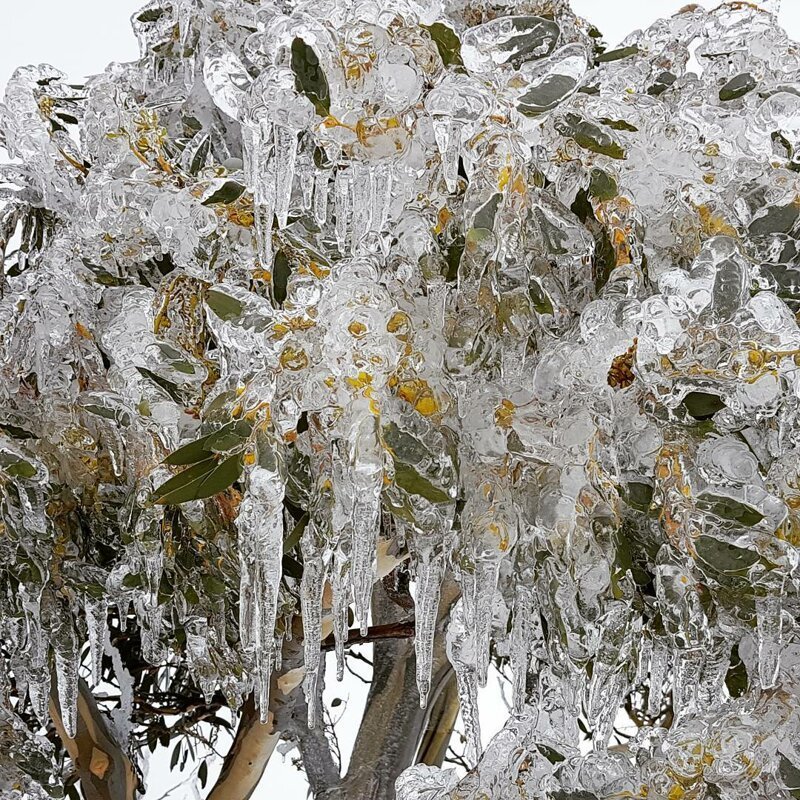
[81, 37]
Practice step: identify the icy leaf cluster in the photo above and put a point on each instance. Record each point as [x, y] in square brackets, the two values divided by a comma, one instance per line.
[442, 281]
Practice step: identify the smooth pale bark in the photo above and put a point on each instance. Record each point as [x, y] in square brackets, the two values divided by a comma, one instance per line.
[105, 771]
[248, 757]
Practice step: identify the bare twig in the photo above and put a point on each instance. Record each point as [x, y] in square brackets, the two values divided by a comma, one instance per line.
[394, 630]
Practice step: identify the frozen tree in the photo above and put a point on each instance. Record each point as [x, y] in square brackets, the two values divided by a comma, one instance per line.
[434, 324]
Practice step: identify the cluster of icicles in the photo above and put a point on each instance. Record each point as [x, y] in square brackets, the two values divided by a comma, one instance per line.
[466, 289]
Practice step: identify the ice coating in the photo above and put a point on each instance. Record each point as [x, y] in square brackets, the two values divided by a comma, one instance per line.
[312, 282]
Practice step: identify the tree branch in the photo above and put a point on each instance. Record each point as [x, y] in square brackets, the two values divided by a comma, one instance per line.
[248, 757]
[105, 771]
[392, 630]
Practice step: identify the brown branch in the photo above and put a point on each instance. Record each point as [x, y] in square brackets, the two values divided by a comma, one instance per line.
[393, 630]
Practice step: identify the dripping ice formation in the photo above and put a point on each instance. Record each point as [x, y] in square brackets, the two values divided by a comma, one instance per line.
[312, 283]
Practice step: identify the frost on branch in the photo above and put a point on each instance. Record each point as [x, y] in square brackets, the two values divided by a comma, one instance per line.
[316, 280]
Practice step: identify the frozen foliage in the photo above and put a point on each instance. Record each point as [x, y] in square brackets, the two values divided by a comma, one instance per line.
[312, 276]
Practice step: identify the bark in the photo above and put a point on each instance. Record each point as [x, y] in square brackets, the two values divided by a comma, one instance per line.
[394, 734]
[248, 757]
[393, 724]
[440, 725]
[104, 769]
[255, 742]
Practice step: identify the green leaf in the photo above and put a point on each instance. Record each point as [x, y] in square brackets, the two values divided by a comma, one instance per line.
[730, 509]
[132, 581]
[213, 586]
[484, 216]
[702, 405]
[539, 298]
[536, 38]
[616, 55]
[202, 774]
[639, 495]
[169, 387]
[724, 557]
[408, 479]
[447, 43]
[227, 193]
[738, 86]
[403, 446]
[15, 432]
[292, 567]
[200, 481]
[230, 437]
[293, 539]
[736, 678]
[224, 440]
[68, 118]
[453, 257]
[176, 754]
[309, 78]
[776, 219]
[546, 96]
[589, 136]
[618, 124]
[16, 467]
[281, 272]
[200, 155]
[553, 756]
[602, 185]
[151, 15]
[662, 83]
[790, 775]
[227, 308]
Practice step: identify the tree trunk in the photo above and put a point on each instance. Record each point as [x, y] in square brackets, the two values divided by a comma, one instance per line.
[393, 725]
[105, 771]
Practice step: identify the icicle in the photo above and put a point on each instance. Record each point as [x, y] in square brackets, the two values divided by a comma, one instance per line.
[312, 585]
[122, 716]
[367, 479]
[96, 611]
[381, 195]
[260, 176]
[321, 197]
[67, 659]
[716, 667]
[660, 663]
[260, 526]
[307, 182]
[481, 596]
[643, 661]
[361, 181]
[341, 189]
[448, 138]
[341, 603]
[461, 654]
[430, 569]
[768, 618]
[688, 667]
[285, 160]
[521, 645]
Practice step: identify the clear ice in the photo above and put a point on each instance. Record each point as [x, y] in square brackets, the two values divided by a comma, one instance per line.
[311, 280]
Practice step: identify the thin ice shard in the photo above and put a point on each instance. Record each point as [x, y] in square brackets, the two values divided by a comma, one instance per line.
[260, 526]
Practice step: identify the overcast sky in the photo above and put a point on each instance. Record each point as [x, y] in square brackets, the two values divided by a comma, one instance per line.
[81, 37]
